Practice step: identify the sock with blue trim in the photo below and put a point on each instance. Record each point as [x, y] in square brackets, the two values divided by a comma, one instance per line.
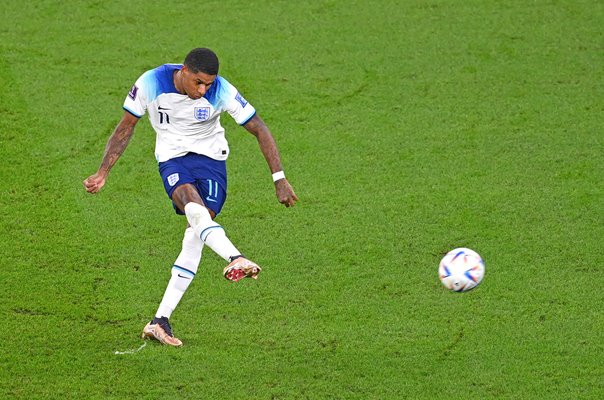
[209, 231]
[184, 270]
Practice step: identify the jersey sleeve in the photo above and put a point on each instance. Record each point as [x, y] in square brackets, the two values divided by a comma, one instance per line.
[238, 107]
[138, 97]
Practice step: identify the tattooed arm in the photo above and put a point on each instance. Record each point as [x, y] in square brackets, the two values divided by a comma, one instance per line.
[115, 147]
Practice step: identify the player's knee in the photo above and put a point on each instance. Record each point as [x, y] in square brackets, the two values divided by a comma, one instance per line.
[196, 214]
[191, 241]
[200, 220]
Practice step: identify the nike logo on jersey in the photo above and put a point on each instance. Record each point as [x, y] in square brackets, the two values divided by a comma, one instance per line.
[161, 108]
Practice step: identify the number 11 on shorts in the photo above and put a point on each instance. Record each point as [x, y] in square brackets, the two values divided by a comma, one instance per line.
[212, 191]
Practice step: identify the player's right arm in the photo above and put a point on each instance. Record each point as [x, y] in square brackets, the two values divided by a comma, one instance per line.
[115, 147]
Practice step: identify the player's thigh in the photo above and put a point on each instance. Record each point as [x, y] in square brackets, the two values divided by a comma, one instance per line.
[184, 194]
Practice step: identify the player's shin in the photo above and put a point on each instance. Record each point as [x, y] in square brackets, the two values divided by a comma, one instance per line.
[209, 231]
[184, 270]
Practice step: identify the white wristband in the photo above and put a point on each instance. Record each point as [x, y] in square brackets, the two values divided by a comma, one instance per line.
[278, 175]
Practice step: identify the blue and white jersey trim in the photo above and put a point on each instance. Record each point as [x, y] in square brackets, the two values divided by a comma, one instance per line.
[132, 112]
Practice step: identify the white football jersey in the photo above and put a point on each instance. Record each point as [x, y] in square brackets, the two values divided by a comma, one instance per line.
[182, 124]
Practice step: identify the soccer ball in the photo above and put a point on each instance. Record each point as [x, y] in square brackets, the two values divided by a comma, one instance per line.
[461, 270]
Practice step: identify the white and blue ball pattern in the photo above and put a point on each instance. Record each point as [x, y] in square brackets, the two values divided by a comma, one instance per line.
[461, 269]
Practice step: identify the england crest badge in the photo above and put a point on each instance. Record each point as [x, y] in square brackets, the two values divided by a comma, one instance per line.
[202, 113]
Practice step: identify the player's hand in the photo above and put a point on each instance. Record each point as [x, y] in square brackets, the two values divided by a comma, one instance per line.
[285, 193]
[95, 182]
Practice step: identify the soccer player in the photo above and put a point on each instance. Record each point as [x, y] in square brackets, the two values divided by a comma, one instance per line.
[184, 103]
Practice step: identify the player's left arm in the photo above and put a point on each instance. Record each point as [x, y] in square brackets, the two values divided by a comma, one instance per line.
[257, 127]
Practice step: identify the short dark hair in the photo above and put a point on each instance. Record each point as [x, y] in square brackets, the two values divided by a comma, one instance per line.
[202, 60]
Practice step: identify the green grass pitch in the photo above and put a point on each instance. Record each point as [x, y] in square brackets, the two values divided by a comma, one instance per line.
[407, 128]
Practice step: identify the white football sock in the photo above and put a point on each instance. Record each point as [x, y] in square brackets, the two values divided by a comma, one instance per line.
[209, 231]
[184, 270]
